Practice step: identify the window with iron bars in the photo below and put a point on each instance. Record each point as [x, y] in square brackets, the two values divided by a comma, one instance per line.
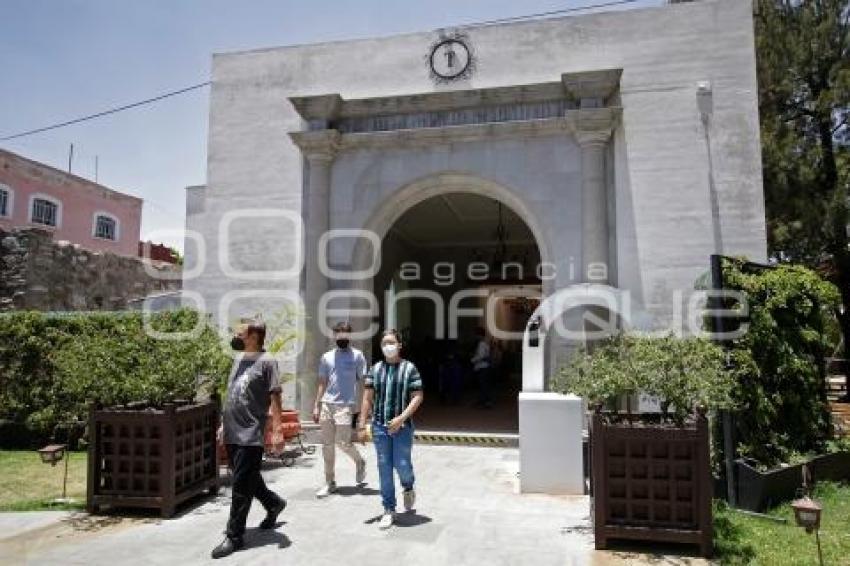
[4, 203]
[105, 228]
[44, 212]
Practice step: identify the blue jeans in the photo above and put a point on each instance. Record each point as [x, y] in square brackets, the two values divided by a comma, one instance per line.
[393, 453]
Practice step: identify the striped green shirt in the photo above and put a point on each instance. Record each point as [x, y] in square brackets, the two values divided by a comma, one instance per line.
[393, 384]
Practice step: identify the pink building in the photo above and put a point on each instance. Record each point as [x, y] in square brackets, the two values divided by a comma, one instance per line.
[72, 208]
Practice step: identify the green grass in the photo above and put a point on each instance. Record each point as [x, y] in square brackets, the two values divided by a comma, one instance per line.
[742, 539]
[27, 484]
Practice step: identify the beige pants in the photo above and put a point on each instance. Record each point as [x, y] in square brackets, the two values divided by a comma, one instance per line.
[335, 422]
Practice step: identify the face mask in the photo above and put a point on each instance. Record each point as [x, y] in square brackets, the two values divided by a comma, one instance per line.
[390, 350]
[342, 343]
[237, 343]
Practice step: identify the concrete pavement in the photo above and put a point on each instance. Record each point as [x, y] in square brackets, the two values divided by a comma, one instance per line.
[468, 513]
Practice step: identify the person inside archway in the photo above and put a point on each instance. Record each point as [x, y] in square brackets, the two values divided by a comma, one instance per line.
[393, 393]
[481, 369]
[340, 371]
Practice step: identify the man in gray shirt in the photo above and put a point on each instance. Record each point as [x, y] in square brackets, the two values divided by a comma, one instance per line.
[341, 370]
[254, 384]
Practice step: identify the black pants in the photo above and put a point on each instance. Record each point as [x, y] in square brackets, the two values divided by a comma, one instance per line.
[483, 376]
[246, 462]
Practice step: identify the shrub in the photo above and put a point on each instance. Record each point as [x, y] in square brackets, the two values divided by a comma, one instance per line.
[684, 373]
[53, 367]
[779, 362]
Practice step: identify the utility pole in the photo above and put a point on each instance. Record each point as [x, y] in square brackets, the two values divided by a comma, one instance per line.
[70, 157]
[95, 168]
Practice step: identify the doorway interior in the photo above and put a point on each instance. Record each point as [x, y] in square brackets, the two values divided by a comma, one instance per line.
[446, 247]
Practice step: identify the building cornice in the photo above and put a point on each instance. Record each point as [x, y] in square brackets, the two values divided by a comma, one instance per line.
[572, 86]
[579, 123]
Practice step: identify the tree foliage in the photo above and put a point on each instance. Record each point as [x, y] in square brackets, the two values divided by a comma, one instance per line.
[803, 59]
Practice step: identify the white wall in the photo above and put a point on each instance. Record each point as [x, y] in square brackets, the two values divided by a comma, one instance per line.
[663, 215]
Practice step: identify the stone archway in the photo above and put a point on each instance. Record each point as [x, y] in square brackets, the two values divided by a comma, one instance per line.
[413, 196]
[413, 193]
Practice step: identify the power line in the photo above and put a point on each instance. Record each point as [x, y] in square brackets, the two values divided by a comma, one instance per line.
[106, 112]
[546, 14]
[207, 83]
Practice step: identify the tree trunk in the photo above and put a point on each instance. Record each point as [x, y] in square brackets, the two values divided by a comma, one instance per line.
[842, 264]
[838, 237]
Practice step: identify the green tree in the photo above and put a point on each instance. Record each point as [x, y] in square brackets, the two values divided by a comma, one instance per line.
[803, 58]
[175, 253]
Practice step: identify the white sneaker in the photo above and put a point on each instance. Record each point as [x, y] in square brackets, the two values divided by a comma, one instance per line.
[409, 499]
[361, 472]
[387, 520]
[326, 490]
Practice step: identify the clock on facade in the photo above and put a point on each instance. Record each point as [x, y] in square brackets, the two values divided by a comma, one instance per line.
[450, 59]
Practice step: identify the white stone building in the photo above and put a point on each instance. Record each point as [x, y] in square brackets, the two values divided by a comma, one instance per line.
[628, 139]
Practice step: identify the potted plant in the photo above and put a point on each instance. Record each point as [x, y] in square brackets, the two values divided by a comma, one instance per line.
[151, 443]
[782, 418]
[760, 487]
[650, 472]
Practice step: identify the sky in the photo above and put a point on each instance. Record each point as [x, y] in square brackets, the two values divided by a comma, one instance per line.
[62, 59]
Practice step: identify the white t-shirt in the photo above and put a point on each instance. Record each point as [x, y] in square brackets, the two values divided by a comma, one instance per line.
[481, 359]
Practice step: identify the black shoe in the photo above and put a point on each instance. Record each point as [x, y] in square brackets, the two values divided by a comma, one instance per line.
[271, 515]
[227, 547]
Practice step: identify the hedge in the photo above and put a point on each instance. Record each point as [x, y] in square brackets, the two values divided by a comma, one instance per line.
[53, 367]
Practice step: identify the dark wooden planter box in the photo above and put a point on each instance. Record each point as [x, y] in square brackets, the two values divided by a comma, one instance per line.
[651, 483]
[153, 458]
[758, 491]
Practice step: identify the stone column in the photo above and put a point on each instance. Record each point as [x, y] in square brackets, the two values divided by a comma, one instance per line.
[592, 129]
[319, 148]
[594, 205]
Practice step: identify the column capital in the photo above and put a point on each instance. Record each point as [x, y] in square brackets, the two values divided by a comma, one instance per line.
[593, 126]
[318, 146]
[595, 138]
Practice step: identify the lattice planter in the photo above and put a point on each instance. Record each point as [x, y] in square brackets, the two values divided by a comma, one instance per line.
[759, 490]
[153, 458]
[651, 482]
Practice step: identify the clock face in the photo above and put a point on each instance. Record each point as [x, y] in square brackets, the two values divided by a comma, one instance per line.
[450, 59]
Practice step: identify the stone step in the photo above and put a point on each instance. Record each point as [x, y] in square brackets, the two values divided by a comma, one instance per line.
[312, 435]
[467, 438]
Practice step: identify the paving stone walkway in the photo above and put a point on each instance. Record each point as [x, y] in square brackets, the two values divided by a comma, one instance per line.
[468, 513]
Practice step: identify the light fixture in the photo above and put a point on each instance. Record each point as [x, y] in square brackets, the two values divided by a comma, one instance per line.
[705, 103]
[501, 235]
[807, 512]
[53, 454]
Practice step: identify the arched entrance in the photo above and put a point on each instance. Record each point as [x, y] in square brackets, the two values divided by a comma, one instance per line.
[452, 262]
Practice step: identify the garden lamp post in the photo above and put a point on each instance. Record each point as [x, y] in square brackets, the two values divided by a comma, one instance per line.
[53, 454]
[807, 512]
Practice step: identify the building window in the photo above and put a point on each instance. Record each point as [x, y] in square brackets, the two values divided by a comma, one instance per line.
[45, 212]
[105, 227]
[5, 202]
